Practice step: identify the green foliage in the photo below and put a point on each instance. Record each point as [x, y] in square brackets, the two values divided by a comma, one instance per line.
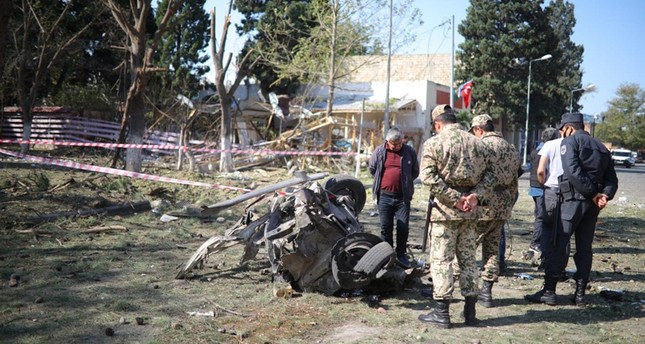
[181, 51]
[274, 29]
[303, 42]
[624, 121]
[495, 33]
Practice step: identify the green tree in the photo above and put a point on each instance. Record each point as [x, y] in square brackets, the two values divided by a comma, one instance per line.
[343, 29]
[496, 32]
[274, 29]
[182, 50]
[624, 121]
[568, 63]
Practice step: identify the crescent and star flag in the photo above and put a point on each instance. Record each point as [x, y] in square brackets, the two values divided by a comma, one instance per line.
[464, 92]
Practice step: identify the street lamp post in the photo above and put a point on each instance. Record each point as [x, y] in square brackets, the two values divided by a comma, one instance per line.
[587, 88]
[528, 102]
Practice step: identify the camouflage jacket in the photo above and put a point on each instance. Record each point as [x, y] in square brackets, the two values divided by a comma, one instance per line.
[504, 161]
[454, 164]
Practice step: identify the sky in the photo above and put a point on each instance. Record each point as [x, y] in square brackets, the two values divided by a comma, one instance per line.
[610, 31]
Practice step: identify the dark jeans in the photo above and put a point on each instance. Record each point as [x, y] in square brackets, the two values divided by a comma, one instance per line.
[389, 208]
[538, 212]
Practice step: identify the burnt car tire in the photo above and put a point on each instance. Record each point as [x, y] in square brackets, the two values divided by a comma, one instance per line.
[346, 253]
[376, 260]
[346, 185]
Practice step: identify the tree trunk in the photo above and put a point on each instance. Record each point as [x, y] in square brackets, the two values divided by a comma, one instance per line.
[332, 62]
[5, 13]
[225, 161]
[180, 151]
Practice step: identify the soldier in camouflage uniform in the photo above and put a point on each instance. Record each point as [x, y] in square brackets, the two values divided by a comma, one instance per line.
[453, 166]
[504, 161]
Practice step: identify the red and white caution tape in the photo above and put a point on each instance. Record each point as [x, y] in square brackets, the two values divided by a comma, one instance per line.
[108, 170]
[173, 147]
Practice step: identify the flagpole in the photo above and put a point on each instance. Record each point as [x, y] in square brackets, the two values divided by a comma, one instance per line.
[452, 65]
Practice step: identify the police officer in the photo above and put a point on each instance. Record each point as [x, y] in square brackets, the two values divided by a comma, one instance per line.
[504, 161]
[454, 167]
[588, 182]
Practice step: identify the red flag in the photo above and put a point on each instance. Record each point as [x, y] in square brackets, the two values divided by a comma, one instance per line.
[464, 92]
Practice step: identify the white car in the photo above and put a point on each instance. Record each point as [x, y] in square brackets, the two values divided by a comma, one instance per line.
[623, 157]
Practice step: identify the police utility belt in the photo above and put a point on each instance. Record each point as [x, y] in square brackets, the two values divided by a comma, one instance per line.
[569, 193]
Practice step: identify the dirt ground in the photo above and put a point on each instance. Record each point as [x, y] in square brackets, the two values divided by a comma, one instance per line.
[99, 277]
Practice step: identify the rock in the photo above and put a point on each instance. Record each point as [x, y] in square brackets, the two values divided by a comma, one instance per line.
[221, 219]
[14, 280]
[168, 218]
[122, 321]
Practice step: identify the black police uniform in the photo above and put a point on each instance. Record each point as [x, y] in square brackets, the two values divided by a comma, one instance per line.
[588, 170]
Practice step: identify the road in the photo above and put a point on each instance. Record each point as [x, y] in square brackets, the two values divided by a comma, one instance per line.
[631, 184]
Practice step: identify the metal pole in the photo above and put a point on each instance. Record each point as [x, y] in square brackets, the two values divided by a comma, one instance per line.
[526, 126]
[452, 65]
[386, 120]
[358, 145]
[571, 101]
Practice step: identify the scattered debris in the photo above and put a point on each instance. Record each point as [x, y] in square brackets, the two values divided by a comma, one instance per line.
[101, 229]
[524, 276]
[168, 218]
[312, 236]
[122, 209]
[14, 280]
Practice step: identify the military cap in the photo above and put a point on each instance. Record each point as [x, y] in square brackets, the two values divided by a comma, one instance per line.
[480, 120]
[440, 110]
[575, 117]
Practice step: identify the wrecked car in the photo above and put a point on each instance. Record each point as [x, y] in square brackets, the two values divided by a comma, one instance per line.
[312, 238]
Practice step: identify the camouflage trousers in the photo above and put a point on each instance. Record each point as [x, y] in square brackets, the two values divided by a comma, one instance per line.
[450, 240]
[489, 233]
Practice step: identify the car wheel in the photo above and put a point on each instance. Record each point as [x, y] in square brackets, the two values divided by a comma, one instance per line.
[376, 260]
[346, 254]
[345, 185]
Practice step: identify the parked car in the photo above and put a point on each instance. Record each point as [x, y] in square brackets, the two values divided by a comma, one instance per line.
[623, 157]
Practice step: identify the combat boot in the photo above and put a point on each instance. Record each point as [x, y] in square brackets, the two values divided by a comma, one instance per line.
[440, 315]
[547, 294]
[485, 296]
[579, 297]
[470, 312]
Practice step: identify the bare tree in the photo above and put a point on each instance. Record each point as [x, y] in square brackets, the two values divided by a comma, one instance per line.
[226, 95]
[38, 42]
[133, 22]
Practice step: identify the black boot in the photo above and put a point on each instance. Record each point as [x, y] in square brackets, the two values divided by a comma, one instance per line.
[439, 315]
[547, 294]
[485, 294]
[469, 311]
[579, 297]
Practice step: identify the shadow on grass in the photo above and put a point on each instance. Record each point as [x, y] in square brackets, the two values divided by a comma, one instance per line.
[599, 311]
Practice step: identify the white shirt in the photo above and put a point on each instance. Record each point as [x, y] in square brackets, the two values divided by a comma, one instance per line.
[551, 150]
